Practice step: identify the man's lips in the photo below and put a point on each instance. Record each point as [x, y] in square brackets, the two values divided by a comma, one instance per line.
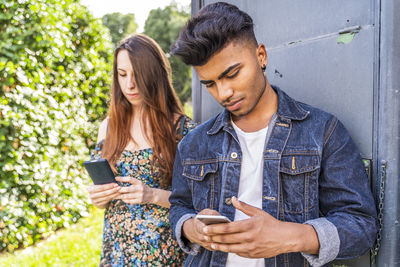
[232, 106]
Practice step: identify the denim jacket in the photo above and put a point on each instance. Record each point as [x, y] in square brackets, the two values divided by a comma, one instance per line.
[313, 174]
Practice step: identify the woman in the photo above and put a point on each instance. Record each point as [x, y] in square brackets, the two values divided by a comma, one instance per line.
[139, 139]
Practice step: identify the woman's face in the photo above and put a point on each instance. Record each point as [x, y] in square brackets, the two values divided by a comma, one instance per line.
[126, 79]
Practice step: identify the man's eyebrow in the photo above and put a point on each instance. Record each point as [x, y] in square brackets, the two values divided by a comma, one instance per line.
[221, 75]
[206, 81]
[227, 70]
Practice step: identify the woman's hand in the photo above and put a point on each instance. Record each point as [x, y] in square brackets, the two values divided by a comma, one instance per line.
[101, 195]
[139, 193]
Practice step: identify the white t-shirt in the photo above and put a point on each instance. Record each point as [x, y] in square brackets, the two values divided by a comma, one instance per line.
[250, 183]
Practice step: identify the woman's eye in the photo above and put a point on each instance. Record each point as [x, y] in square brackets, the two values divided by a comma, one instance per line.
[122, 75]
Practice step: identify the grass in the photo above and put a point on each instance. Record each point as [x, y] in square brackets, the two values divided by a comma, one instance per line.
[78, 245]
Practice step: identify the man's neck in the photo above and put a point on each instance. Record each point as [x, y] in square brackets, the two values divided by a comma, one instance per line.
[261, 115]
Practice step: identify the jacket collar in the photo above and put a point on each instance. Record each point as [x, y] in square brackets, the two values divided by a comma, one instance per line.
[288, 109]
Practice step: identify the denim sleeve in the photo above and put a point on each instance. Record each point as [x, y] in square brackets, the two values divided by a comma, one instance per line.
[181, 206]
[345, 198]
[329, 242]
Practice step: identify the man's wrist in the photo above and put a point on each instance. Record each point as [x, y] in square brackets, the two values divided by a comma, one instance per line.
[301, 238]
[308, 240]
[187, 228]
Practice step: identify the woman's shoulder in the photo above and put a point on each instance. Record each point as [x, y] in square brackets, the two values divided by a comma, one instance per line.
[103, 128]
[184, 125]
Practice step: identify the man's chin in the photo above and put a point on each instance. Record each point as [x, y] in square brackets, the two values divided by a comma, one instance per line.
[239, 113]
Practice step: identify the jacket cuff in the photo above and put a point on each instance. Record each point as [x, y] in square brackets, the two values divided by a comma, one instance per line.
[184, 243]
[329, 242]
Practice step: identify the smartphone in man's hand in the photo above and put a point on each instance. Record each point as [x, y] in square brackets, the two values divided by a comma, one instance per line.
[212, 219]
[100, 171]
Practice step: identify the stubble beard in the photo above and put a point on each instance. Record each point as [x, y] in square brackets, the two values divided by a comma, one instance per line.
[262, 91]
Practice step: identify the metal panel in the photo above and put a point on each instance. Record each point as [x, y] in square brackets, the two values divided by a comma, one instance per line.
[337, 78]
[359, 82]
[284, 21]
[388, 141]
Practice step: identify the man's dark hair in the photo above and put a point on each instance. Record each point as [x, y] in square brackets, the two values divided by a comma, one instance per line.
[214, 27]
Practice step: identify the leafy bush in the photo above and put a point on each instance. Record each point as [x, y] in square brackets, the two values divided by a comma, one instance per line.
[55, 61]
[164, 25]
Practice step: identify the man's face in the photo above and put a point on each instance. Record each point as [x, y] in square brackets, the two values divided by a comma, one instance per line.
[233, 76]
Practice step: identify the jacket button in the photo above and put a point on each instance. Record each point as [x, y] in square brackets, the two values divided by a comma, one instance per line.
[228, 201]
[234, 155]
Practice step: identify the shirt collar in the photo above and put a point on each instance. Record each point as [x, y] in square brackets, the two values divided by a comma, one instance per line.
[288, 109]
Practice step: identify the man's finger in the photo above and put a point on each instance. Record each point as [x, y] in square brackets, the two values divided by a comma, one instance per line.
[230, 238]
[246, 208]
[227, 228]
[231, 248]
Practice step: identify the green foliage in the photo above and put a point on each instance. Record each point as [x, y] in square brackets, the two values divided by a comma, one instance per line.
[78, 245]
[55, 61]
[164, 25]
[120, 25]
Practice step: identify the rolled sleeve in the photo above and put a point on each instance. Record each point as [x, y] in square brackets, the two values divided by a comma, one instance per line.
[329, 242]
[185, 244]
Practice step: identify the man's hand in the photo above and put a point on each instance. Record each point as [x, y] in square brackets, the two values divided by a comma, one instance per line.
[193, 230]
[260, 236]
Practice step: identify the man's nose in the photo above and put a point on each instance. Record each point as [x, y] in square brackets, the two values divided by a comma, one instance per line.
[225, 91]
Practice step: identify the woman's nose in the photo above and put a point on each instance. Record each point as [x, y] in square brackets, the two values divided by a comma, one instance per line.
[130, 82]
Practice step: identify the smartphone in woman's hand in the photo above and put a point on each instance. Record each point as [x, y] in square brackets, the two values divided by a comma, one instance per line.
[100, 171]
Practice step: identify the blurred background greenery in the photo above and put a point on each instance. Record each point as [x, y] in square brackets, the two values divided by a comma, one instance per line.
[55, 73]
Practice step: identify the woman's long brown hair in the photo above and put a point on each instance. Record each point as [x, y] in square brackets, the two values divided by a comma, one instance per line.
[152, 73]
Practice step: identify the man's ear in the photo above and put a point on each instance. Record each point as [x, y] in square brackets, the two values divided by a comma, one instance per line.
[261, 53]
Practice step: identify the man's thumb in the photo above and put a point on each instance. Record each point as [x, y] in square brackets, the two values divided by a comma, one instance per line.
[246, 208]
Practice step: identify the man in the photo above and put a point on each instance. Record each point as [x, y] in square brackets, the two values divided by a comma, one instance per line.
[287, 174]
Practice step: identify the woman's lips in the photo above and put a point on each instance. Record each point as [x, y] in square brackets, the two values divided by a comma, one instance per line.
[132, 95]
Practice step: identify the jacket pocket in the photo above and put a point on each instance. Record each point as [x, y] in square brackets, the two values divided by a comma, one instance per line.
[299, 181]
[201, 178]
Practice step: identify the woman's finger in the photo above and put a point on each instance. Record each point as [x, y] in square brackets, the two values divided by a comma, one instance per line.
[128, 179]
[131, 189]
[125, 179]
[99, 188]
[106, 193]
[105, 199]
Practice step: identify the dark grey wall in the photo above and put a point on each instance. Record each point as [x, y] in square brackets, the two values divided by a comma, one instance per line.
[359, 81]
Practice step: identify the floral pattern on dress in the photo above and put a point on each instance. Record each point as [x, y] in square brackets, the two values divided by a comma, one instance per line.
[139, 234]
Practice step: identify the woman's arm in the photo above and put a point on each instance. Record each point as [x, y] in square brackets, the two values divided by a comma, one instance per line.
[101, 195]
[160, 197]
[102, 130]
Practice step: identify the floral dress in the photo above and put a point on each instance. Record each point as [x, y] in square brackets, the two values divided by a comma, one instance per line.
[139, 234]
